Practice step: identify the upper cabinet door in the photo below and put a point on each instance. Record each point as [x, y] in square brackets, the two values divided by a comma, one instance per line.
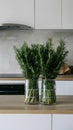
[67, 14]
[17, 11]
[47, 14]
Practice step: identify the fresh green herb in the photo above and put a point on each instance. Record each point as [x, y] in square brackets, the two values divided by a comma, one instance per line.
[52, 59]
[40, 59]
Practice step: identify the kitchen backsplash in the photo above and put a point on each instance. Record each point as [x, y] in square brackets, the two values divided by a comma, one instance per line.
[8, 39]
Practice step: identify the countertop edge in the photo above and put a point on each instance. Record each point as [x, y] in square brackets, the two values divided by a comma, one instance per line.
[8, 111]
[59, 77]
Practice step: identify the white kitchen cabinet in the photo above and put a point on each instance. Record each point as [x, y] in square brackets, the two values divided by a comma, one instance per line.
[25, 121]
[17, 11]
[67, 14]
[47, 14]
[62, 122]
[53, 14]
[64, 87]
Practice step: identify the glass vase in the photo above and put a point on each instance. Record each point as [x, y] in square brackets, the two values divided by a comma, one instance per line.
[31, 91]
[48, 92]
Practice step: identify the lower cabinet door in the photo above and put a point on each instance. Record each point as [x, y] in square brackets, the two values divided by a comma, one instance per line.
[25, 122]
[62, 122]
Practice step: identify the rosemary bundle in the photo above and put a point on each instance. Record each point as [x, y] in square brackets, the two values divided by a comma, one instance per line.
[41, 59]
[29, 59]
[52, 60]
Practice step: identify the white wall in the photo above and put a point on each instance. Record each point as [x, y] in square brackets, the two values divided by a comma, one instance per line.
[8, 63]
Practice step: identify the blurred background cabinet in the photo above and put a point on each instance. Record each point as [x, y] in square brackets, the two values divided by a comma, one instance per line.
[17, 11]
[53, 14]
[64, 87]
[47, 14]
[67, 15]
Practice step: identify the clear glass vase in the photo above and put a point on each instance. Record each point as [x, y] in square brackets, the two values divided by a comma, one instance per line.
[31, 91]
[48, 94]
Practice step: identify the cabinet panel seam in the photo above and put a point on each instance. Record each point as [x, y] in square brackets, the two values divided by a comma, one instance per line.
[51, 121]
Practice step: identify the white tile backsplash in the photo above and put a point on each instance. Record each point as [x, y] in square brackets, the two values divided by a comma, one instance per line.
[8, 63]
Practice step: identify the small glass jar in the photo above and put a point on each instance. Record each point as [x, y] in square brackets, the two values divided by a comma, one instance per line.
[48, 92]
[31, 91]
